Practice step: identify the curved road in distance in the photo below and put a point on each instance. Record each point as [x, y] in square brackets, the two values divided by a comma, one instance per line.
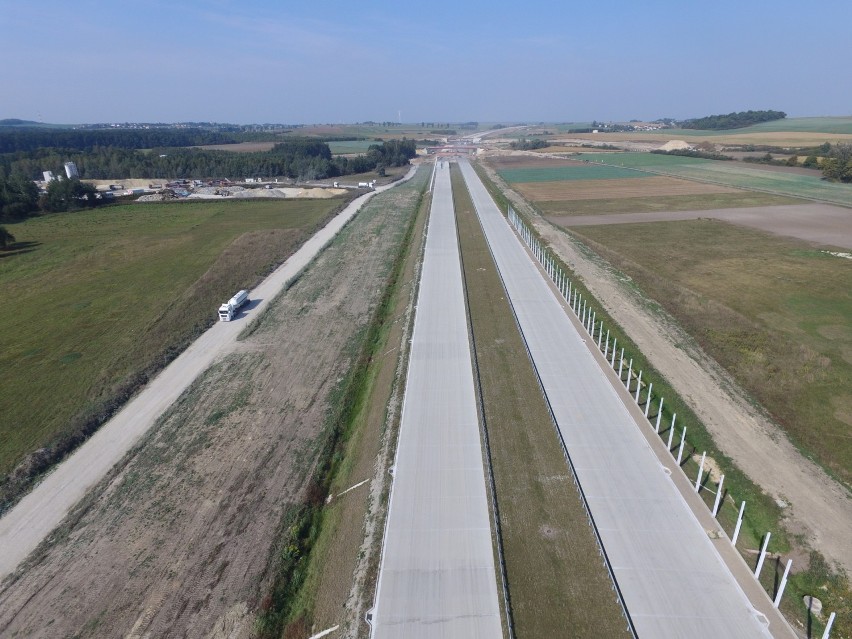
[26, 525]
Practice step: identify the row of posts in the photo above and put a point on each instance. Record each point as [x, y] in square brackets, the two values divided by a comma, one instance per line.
[595, 328]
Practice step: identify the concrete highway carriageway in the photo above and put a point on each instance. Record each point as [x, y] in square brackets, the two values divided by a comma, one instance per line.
[437, 576]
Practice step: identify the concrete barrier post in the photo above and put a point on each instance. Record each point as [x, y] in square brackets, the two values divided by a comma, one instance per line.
[762, 555]
[700, 471]
[739, 524]
[718, 496]
[659, 415]
[648, 399]
[827, 632]
[682, 442]
[638, 387]
[783, 584]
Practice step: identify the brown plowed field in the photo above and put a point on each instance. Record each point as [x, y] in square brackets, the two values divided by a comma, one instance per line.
[614, 189]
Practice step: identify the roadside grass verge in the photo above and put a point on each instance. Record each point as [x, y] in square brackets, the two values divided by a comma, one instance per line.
[556, 577]
[762, 513]
[108, 297]
[318, 545]
[701, 202]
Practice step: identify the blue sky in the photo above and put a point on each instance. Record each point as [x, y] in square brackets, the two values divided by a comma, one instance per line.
[334, 61]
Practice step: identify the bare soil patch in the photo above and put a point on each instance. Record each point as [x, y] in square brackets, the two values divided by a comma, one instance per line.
[176, 541]
[615, 188]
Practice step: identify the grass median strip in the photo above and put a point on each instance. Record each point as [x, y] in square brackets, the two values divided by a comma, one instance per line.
[557, 581]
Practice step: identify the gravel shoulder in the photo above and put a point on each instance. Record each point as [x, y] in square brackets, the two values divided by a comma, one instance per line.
[820, 509]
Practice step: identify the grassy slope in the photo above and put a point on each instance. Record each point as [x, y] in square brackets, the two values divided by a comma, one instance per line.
[773, 311]
[556, 577]
[106, 293]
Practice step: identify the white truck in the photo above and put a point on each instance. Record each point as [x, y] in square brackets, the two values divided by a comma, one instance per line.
[229, 309]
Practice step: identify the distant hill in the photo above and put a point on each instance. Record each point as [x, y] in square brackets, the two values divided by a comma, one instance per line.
[17, 122]
[736, 120]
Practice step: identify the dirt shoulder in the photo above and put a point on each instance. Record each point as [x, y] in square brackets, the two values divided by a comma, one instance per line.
[820, 508]
[176, 540]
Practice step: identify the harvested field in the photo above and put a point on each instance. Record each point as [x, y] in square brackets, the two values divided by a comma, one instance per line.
[647, 186]
[555, 575]
[660, 203]
[818, 223]
[180, 538]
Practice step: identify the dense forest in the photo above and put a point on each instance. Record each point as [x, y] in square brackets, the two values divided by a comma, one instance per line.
[732, 120]
[300, 158]
[15, 139]
[837, 165]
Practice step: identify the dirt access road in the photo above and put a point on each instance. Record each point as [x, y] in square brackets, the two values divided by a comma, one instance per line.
[178, 538]
[819, 507]
[37, 514]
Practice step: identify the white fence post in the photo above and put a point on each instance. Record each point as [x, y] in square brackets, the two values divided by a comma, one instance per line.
[680, 450]
[700, 471]
[614, 344]
[629, 374]
[783, 584]
[638, 386]
[718, 496]
[606, 349]
[620, 364]
[659, 415]
[827, 632]
[739, 523]
[600, 336]
[648, 399]
[671, 432]
[762, 555]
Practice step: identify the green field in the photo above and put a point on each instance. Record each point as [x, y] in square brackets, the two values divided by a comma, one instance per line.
[655, 204]
[804, 125]
[350, 147]
[564, 173]
[776, 313]
[102, 298]
[730, 173]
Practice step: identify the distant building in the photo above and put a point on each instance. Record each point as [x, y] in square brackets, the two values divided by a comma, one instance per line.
[48, 176]
[71, 170]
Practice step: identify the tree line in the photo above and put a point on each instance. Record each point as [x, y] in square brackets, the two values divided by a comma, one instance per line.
[16, 139]
[735, 120]
[299, 158]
